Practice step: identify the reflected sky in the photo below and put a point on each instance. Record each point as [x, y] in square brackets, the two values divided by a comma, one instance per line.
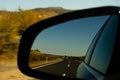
[71, 38]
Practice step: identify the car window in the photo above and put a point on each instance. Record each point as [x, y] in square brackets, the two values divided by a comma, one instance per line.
[104, 47]
[92, 45]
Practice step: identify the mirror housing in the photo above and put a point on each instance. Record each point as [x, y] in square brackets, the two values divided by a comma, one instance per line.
[31, 33]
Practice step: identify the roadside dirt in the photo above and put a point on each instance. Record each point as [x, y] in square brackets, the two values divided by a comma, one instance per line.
[9, 69]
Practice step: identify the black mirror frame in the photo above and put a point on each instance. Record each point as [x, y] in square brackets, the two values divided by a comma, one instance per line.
[31, 33]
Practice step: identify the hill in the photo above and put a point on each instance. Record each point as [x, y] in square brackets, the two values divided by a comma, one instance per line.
[58, 10]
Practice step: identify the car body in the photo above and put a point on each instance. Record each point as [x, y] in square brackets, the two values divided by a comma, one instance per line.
[102, 58]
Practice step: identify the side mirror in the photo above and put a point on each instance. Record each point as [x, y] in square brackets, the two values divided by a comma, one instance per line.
[54, 48]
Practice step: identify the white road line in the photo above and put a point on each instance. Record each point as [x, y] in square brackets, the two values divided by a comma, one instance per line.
[46, 65]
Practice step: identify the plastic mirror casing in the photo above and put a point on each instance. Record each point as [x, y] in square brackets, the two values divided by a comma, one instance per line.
[30, 34]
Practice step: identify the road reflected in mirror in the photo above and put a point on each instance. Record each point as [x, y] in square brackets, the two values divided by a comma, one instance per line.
[61, 48]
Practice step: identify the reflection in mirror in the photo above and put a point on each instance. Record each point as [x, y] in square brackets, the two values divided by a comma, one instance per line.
[61, 48]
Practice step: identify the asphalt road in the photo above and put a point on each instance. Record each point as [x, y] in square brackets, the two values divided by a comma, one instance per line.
[67, 67]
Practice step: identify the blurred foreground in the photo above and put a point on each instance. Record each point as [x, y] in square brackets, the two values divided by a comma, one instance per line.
[9, 69]
[12, 26]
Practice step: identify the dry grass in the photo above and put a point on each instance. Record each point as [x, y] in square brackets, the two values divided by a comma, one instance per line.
[37, 58]
[39, 63]
[9, 69]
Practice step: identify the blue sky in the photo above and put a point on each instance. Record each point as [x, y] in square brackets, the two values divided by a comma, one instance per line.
[69, 4]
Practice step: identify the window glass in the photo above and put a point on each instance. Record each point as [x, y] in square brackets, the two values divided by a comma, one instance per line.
[90, 49]
[104, 47]
[92, 45]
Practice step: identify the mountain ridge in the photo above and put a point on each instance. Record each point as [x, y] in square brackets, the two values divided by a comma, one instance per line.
[58, 10]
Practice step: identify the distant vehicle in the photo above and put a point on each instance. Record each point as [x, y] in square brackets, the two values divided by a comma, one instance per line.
[103, 56]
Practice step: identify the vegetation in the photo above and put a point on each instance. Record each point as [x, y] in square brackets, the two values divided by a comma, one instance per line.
[13, 24]
[80, 58]
[37, 58]
[58, 10]
[36, 55]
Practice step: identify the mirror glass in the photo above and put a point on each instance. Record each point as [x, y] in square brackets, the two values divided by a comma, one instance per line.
[61, 48]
